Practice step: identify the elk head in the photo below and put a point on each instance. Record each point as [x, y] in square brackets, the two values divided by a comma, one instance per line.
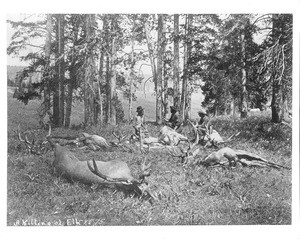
[138, 185]
[122, 143]
[34, 147]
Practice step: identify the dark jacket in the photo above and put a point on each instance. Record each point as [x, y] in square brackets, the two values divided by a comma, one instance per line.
[174, 120]
[204, 122]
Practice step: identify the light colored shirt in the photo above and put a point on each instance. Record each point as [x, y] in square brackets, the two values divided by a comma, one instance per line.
[139, 121]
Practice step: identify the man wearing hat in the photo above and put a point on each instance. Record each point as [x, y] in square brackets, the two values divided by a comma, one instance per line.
[139, 120]
[203, 123]
[174, 121]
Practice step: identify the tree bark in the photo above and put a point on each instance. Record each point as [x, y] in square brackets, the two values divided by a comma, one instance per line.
[186, 93]
[46, 76]
[160, 54]
[151, 53]
[61, 69]
[113, 97]
[69, 99]
[232, 107]
[276, 102]
[282, 70]
[244, 102]
[176, 81]
[165, 91]
[108, 94]
[58, 95]
[56, 85]
[89, 93]
[131, 75]
[112, 94]
[73, 78]
[99, 112]
[165, 78]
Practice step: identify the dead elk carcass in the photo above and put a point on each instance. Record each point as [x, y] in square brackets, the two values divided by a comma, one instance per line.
[170, 137]
[93, 142]
[223, 157]
[229, 157]
[188, 155]
[115, 172]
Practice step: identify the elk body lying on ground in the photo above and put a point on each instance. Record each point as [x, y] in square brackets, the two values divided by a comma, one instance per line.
[93, 141]
[254, 110]
[115, 172]
[191, 152]
[144, 140]
[223, 157]
[170, 137]
[229, 157]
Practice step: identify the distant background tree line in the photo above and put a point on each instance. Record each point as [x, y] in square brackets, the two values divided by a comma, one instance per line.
[92, 57]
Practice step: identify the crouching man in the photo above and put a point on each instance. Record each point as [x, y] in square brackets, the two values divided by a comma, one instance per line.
[174, 120]
[204, 125]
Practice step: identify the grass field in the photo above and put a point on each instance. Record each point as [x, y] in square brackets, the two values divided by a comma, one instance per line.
[190, 195]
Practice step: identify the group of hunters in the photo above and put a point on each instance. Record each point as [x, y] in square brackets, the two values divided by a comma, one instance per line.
[174, 122]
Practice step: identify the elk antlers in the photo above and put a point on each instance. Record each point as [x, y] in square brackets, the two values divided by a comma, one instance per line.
[126, 181]
[96, 171]
[32, 147]
[138, 185]
[120, 138]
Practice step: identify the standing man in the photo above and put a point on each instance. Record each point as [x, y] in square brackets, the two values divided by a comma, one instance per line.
[139, 121]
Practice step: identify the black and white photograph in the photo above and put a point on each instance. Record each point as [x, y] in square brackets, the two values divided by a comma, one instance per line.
[139, 119]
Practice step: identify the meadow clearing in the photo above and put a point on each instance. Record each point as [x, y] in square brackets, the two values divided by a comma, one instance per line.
[187, 195]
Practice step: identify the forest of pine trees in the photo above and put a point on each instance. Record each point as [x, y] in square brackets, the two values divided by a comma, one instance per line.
[88, 57]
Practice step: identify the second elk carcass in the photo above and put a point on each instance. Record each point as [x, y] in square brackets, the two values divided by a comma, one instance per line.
[228, 157]
[92, 141]
[170, 137]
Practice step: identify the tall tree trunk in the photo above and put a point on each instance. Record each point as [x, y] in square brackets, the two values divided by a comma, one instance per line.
[277, 94]
[89, 94]
[58, 95]
[46, 76]
[100, 100]
[72, 80]
[282, 57]
[244, 102]
[160, 54]
[151, 53]
[176, 81]
[108, 94]
[186, 93]
[131, 75]
[232, 107]
[276, 102]
[111, 74]
[165, 78]
[284, 106]
[69, 99]
[165, 91]
[61, 70]
[113, 97]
